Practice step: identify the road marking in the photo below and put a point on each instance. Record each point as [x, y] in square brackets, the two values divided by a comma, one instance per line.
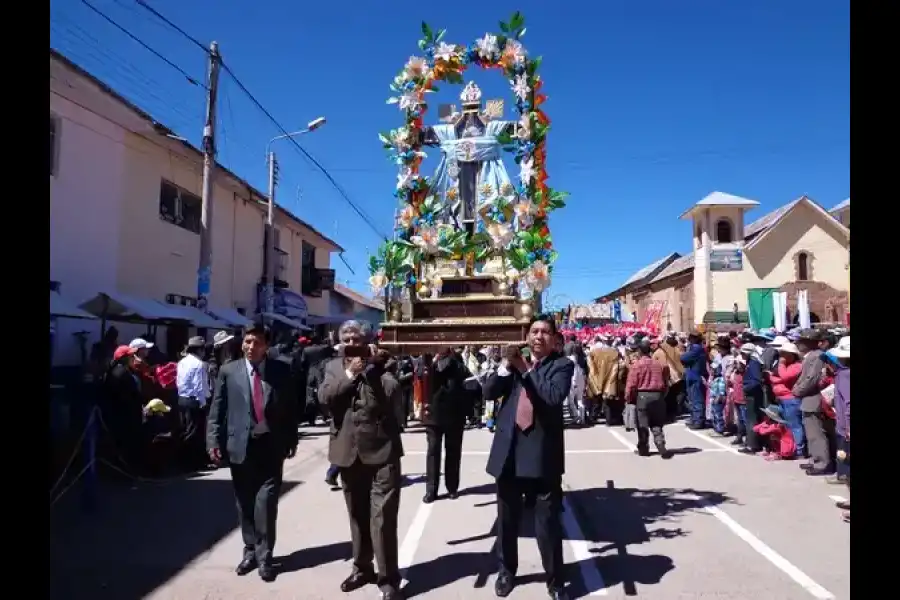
[568, 452]
[712, 441]
[581, 552]
[838, 498]
[410, 544]
[785, 566]
[625, 442]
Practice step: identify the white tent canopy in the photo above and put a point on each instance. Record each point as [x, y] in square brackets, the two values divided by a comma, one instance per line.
[284, 320]
[197, 317]
[60, 307]
[230, 316]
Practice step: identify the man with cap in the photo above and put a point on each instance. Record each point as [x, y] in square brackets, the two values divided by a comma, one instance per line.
[192, 382]
[816, 425]
[646, 388]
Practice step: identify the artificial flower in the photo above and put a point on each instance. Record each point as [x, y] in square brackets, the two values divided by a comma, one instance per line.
[525, 211]
[538, 276]
[415, 68]
[512, 275]
[487, 46]
[523, 131]
[401, 139]
[445, 52]
[507, 189]
[405, 178]
[486, 190]
[513, 53]
[406, 216]
[501, 234]
[409, 100]
[378, 281]
[520, 87]
[427, 239]
[452, 194]
[526, 170]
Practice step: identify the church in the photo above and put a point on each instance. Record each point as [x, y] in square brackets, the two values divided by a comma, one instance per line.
[735, 268]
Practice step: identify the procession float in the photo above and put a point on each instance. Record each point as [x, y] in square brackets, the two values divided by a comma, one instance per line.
[472, 249]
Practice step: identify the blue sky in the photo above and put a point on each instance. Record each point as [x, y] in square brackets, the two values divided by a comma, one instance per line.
[654, 104]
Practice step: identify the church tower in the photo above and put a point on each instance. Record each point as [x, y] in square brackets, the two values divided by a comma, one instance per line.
[718, 236]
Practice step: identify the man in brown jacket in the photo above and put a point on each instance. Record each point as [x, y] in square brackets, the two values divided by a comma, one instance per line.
[818, 428]
[668, 355]
[365, 446]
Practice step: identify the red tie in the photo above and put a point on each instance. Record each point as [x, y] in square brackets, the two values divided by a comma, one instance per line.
[258, 401]
[524, 411]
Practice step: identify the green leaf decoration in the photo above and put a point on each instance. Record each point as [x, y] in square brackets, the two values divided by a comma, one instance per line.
[426, 31]
[504, 27]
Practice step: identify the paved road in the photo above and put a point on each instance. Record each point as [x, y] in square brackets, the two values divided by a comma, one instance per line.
[709, 524]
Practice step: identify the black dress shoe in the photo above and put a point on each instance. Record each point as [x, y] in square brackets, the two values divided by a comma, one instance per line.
[267, 572]
[640, 452]
[814, 472]
[557, 594]
[453, 495]
[806, 466]
[391, 594]
[504, 585]
[429, 498]
[357, 580]
[246, 565]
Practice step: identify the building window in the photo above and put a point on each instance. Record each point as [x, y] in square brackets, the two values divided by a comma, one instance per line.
[802, 266]
[724, 231]
[308, 270]
[54, 138]
[180, 207]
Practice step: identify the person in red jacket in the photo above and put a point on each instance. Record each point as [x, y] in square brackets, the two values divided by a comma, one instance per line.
[788, 408]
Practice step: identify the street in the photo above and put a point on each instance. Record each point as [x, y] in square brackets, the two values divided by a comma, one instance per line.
[708, 524]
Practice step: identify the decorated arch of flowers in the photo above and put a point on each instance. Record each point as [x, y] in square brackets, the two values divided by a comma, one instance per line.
[515, 225]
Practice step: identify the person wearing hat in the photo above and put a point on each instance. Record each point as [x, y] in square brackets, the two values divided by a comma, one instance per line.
[816, 425]
[668, 356]
[192, 383]
[786, 407]
[646, 389]
[752, 387]
[694, 360]
[121, 405]
[840, 356]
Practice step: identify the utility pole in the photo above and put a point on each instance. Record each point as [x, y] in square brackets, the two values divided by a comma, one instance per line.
[270, 235]
[204, 271]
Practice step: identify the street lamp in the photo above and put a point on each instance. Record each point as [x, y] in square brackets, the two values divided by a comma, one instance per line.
[270, 217]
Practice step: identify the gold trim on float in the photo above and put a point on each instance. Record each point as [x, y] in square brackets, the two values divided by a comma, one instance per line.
[469, 298]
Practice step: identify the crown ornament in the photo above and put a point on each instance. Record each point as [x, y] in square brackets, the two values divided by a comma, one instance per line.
[471, 95]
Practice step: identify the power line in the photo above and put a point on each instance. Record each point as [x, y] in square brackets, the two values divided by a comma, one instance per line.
[159, 16]
[304, 153]
[144, 45]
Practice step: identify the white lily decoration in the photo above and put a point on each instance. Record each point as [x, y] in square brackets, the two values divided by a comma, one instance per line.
[514, 52]
[415, 67]
[409, 100]
[426, 240]
[512, 275]
[445, 51]
[520, 87]
[487, 46]
[523, 131]
[378, 281]
[501, 234]
[525, 211]
[400, 139]
[526, 170]
[405, 178]
[538, 276]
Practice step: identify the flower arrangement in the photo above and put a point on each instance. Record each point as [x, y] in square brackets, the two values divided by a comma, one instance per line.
[514, 221]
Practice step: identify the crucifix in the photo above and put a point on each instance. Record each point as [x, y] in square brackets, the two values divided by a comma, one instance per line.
[471, 170]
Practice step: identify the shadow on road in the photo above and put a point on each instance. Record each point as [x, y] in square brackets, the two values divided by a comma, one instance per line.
[614, 519]
[139, 538]
[316, 556]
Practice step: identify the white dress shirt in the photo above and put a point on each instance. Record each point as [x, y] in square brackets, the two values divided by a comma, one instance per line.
[193, 379]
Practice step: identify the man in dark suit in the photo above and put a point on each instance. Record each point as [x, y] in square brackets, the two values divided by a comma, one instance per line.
[365, 446]
[527, 455]
[444, 418]
[253, 426]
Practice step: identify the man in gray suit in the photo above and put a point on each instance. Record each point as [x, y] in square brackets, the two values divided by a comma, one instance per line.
[365, 446]
[253, 426]
[817, 427]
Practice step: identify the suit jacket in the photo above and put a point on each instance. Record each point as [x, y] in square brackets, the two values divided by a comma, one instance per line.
[232, 421]
[364, 422]
[807, 387]
[540, 453]
[447, 402]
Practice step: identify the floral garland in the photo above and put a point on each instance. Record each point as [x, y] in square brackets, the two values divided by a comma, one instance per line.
[527, 247]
